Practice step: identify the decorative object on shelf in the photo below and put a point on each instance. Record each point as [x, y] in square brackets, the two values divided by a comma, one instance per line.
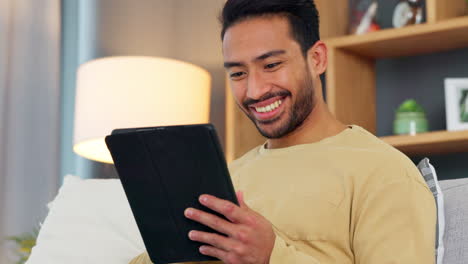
[363, 17]
[410, 119]
[119, 92]
[456, 103]
[408, 12]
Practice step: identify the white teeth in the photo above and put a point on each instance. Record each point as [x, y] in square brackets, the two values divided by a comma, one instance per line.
[268, 108]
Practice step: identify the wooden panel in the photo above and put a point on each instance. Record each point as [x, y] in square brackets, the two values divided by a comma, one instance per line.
[241, 134]
[439, 10]
[333, 17]
[440, 142]
[351, 88]
[230, 126]
[408, 41]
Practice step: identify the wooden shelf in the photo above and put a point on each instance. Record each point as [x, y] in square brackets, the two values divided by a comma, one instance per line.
[409, 41]
[438, 142]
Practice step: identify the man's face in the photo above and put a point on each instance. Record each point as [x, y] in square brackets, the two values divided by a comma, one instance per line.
[269, 75]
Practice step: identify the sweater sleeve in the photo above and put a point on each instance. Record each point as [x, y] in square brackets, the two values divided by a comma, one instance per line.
[395, 223]
[282, 253]
[141, 259]
[144, 259]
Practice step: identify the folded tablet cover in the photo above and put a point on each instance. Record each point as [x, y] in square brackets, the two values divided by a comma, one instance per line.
[163, 171]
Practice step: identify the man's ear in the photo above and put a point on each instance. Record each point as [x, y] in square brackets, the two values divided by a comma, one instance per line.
[317, 58]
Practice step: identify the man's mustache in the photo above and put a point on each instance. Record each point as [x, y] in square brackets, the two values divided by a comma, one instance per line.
[264, 97]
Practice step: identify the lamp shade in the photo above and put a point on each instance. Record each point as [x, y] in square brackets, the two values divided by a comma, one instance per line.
[124, 92]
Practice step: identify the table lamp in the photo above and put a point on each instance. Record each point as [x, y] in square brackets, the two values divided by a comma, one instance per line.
[125, 92]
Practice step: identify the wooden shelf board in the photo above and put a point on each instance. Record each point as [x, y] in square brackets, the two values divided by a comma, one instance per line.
[408, 41]
[438, 142]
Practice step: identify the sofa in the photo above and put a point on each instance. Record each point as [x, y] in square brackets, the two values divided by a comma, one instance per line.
[456, 220]
[90, 222]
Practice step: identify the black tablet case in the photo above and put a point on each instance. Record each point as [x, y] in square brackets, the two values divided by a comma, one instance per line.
[163, 171]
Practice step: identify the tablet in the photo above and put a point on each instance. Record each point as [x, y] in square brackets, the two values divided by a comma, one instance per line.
[163, 171]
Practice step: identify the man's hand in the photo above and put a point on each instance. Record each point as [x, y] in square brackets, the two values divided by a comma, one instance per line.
[249, 236]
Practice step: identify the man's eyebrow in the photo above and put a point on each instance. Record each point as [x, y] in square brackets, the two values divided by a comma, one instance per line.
[230, 64]
[270, 54]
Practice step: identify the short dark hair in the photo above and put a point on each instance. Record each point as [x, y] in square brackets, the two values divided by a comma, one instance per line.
[302, 16]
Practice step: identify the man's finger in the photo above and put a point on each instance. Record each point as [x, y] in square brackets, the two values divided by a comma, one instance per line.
[231, 211]
[214, 252]
[240, 199]
[215, 240]
[210, 220]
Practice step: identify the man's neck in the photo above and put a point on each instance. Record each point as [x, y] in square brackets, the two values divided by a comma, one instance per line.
[320, 124]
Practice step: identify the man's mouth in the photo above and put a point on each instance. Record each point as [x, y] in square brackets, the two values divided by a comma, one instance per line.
[268, 109]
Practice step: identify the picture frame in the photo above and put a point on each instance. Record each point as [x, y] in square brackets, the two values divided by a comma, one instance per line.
[456, 103]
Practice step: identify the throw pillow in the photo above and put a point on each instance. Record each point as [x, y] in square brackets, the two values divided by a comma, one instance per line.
[89, 222]
[430, 176]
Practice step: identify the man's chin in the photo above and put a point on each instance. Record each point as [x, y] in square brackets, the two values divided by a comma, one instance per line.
[269, 122]
[271, 129]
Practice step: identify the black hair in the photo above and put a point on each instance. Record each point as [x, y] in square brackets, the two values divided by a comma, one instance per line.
[302, 16]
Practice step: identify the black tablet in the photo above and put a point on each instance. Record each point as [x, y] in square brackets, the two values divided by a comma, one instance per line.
[163, 171]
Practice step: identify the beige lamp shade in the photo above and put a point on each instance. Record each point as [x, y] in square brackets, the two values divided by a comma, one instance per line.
[125, 92]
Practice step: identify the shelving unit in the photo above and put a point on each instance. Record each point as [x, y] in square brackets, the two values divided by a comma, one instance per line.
[352, 61]
[437, 142]
[413, 40]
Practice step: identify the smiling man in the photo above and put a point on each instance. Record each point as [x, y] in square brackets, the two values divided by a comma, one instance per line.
[317, 191]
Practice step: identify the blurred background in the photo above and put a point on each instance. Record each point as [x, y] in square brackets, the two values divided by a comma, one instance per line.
[43, 43]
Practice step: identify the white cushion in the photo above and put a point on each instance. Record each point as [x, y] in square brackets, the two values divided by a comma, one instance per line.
[89, 222]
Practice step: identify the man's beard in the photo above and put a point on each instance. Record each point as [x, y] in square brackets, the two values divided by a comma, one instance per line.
[301, 109]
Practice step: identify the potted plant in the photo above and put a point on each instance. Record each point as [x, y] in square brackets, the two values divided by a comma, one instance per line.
[24, 244]
[410, 119]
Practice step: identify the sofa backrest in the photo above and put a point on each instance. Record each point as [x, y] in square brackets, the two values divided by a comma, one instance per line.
[456, 220]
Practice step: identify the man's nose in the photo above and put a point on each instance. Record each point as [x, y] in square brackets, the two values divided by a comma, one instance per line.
[257, 86]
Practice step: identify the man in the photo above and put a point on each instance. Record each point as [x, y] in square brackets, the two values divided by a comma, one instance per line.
[318, 191]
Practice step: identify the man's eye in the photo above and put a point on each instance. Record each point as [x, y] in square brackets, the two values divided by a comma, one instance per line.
[236, 74]
[272, 65]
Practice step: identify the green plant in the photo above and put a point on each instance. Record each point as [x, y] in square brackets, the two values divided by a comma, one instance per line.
[24, 244]
[410, 105]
